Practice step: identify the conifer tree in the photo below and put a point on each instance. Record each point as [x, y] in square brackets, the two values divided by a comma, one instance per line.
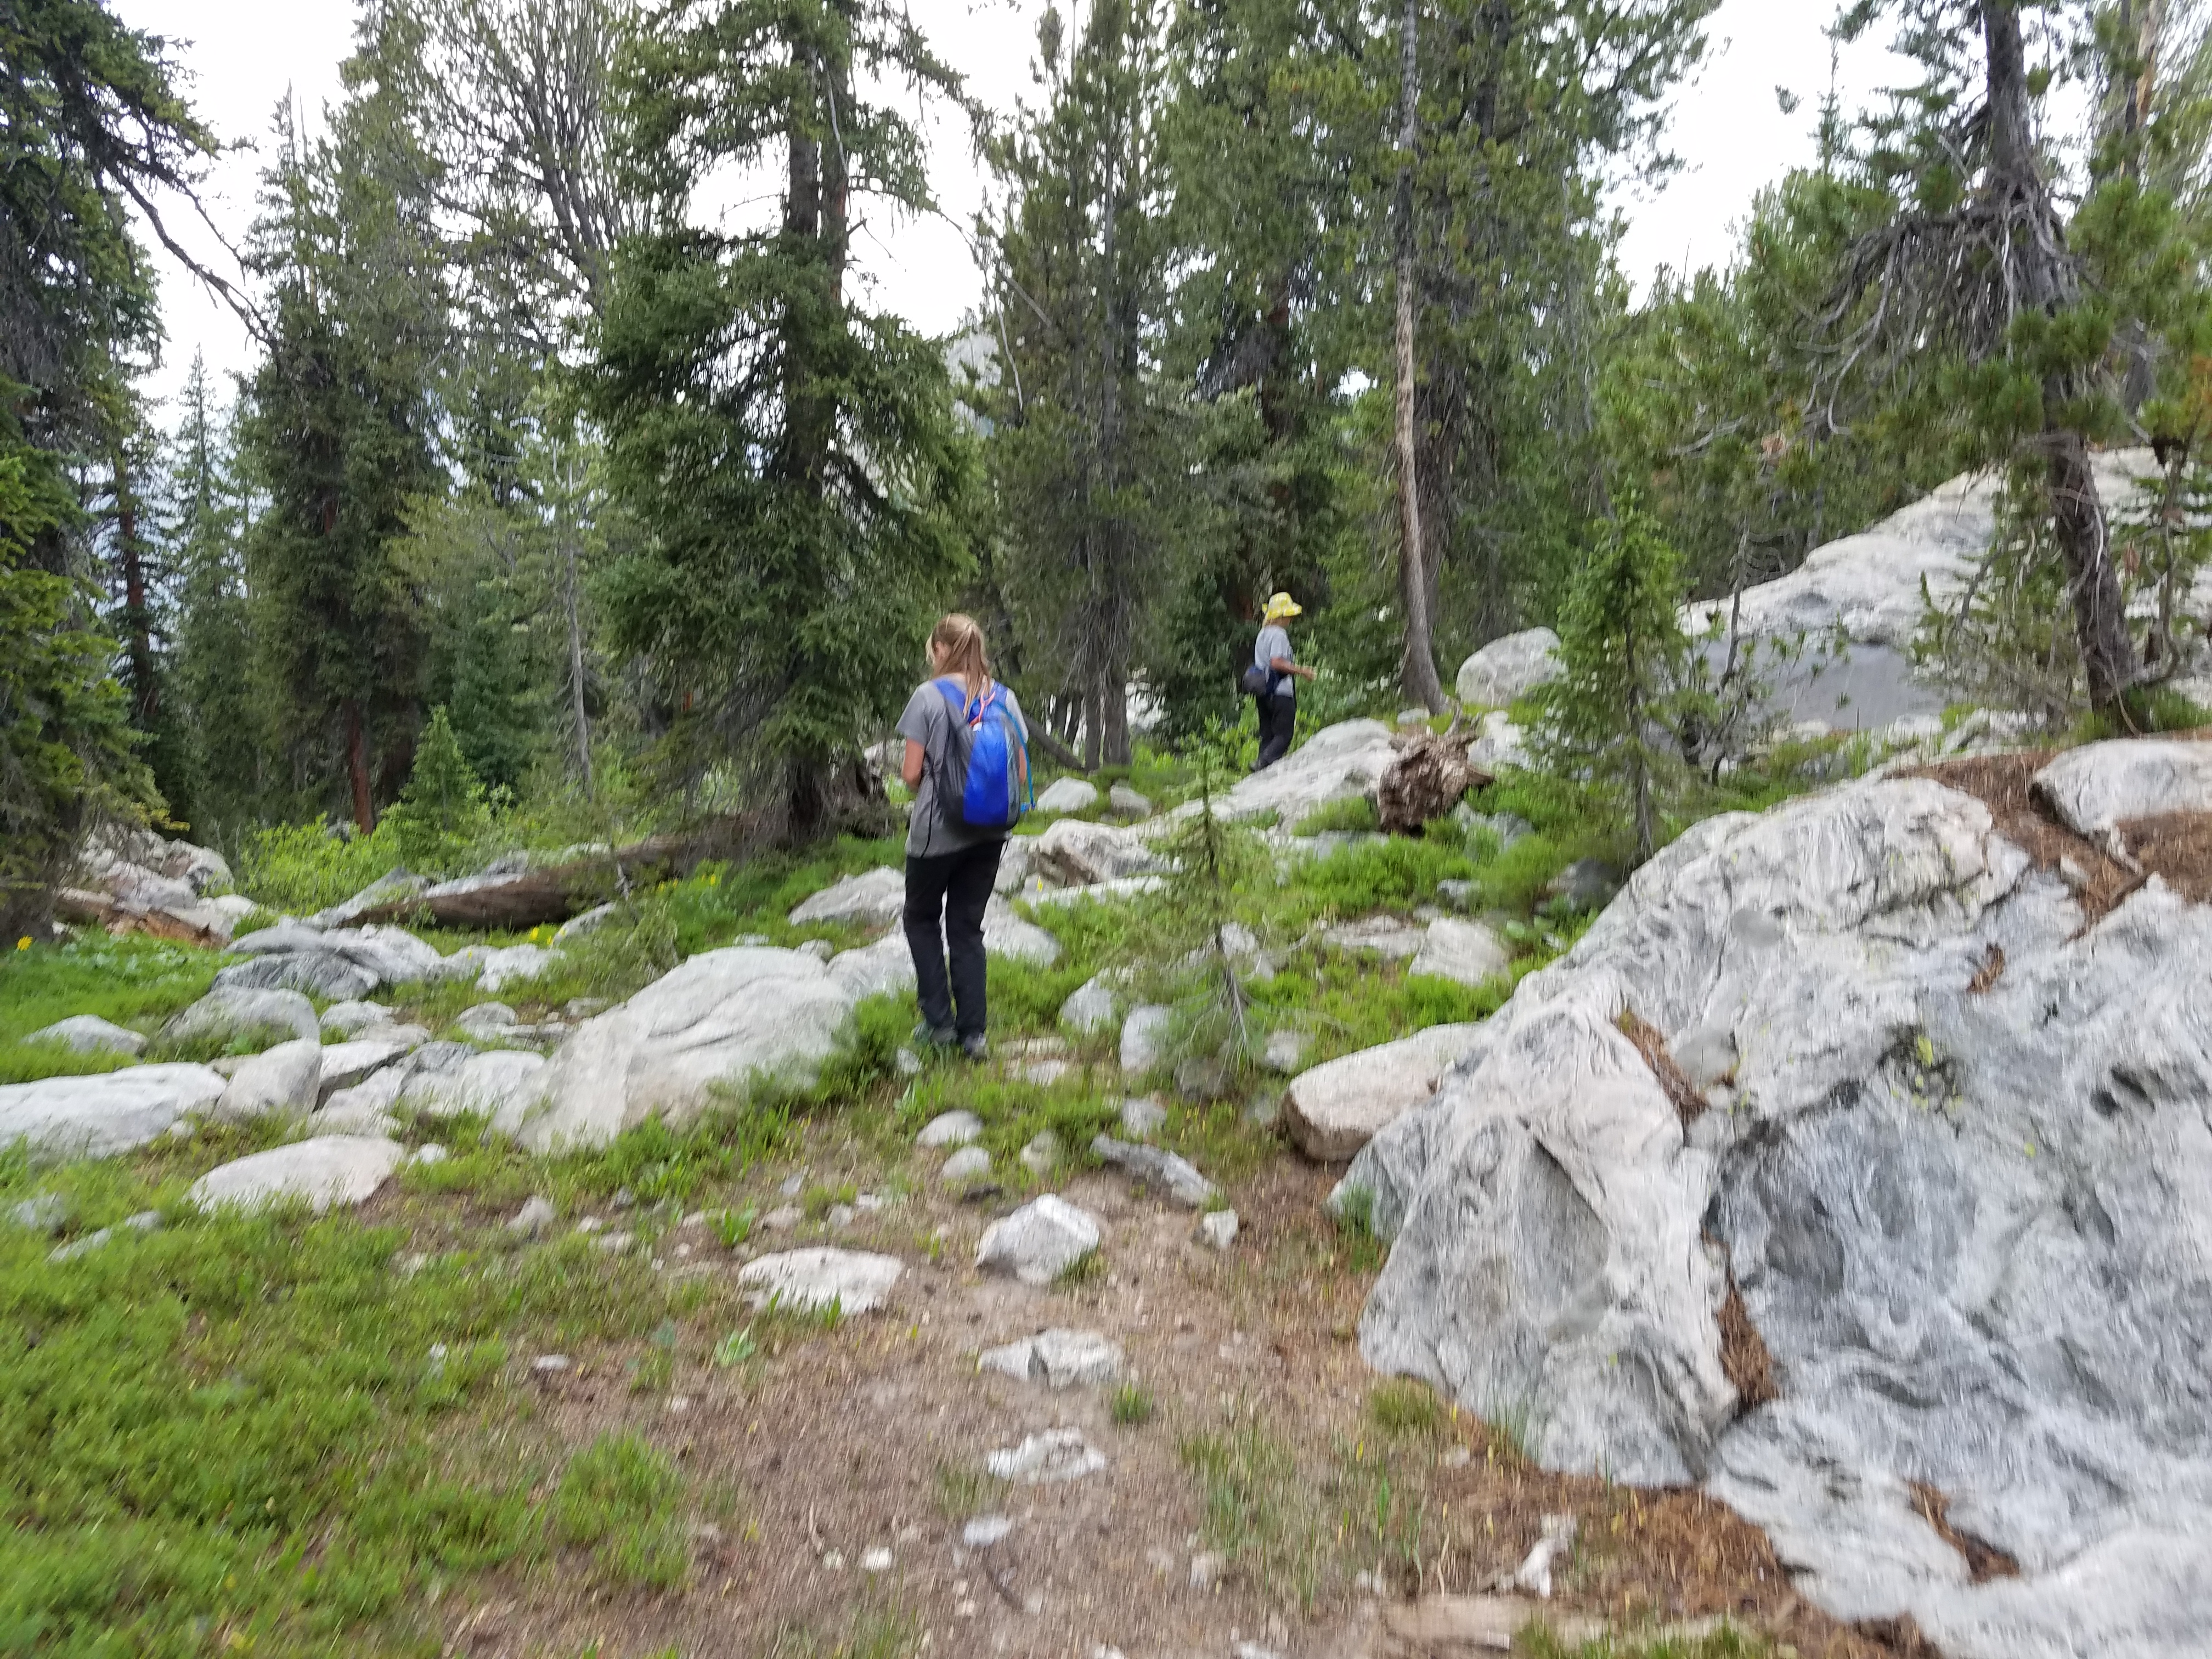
[441, 811]
[790, 457]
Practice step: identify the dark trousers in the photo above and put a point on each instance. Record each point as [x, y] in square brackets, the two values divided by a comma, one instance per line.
[945, 896]
[1278, 720]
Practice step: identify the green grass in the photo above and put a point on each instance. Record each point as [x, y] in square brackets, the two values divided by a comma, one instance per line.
[1133, 1405]
[132, 981]
[620, 1499]
[1353, 815]
[1537, 1641]
[1400, 1405]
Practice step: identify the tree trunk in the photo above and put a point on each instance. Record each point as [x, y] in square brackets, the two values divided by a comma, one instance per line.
[137, 620]
[2092, 581]
[357, 742]
[1093, 725]
[1419, 667]
[1114, 717]
[574, 601]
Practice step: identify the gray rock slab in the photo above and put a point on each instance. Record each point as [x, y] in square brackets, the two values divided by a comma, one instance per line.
[873, 898]
[1964, 1218]
[1508, 669]
[1067, 795]
[1285, 1051]
[1125, 802]
[1465, 952]
[1143, 1118]
[1007, 935]
[256, 1016]
[1076, 854]
[102, 1116]
[955, 1128]
[504, 1085]
[536, 1215]
[343, 1019]
[284, 1078]
[705, 1031]
[966, 1167]
[89, 1033]
[312, 973]
[1058, 1358]
[1338, 763]
[1381, 936]
[1040, 1241]
[854, 1281]
[1144, 1039]
[2101, 785]
[1153, 1166]
[487, 1022]
[1334, 1109]
[326, 1173]
[589, 922]
[1040, 1156]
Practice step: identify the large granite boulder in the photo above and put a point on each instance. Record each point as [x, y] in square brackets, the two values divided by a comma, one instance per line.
[106, 1114]
[1338, 763]
[1334, 1109]
[2101, 785]
[282, 1080]
[89, 1033]
[339, 964]
[1848, 1104]
[872, 899]
[1072, 853]
[724, 1019]
[324, 1173]
[1509, 669]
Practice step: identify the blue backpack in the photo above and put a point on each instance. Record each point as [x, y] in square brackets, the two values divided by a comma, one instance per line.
[982, 787]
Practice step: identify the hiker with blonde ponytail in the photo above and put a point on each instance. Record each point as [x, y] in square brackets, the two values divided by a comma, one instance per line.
[964, 734]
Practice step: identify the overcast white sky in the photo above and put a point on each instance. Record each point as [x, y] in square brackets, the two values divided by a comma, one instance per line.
[244, 55]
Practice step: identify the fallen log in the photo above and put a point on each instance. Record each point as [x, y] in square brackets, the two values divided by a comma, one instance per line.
[532, 898]
[90, 909]
[1427, 779]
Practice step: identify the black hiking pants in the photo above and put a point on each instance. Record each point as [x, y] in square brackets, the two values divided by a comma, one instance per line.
[945, 896]
[1278, 721]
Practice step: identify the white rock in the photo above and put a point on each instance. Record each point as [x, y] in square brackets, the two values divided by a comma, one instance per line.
[1142, 1118]
[1041, 1156]
[949, 1129]
[506, 1086]
[533, 1217]
[1056, 1455]
[1508, 669]
[345, 1065]
[1286, 1050]
[873, 898]
[227, 1015]
[284, 1079]
[89, 1033]
[343, 1019]
[1144, 1039]
[1501, 743]
[486, 1022]
[1058, 1358]
[984, 1531]
[1075, 854]
[1334, 1109]
[878, 1559]
[430, 1153]
[1126, 802]
[400, 884]
[1014, 865]
[966, 1167]
[514, 965]
[1067, 795]
[1338, 763]
[884, 968]
[2101, 785]
[327, 1172]
[723, 1019]
[1091, 1008]
[1104, 892]
[1040, 1241]
[1217, 1228]
[1964, 1212]
[856, 1282]
[104, 1114]
[1466, 951]
[1006, 934]
[1381, 936]
[589, 922]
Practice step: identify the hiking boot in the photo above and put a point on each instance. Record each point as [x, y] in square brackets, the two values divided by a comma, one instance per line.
[927, 1036]
[975, 1048]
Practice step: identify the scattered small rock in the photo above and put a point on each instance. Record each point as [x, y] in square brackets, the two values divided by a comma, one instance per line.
[1534, 1574]
[1285, 1050]
[1205, 1570]
[985, 1530]
[1587, 883]
[486, 1021]
[1144, 1039]
[551, 1364]
[1167, 1171]
[946, 1129]
[966, 1167]
[1042, 1155]
[907, 1063]
[783, 1218]
[1043, 1073]
[533, 1217]
[1067, 795]
[1041, 1459]
[42, 1212]
[854, 1281]
[878, 1559]
[1040, 1241]
[1091, 1009]
[1143, 1118]
[1217, 1228]
[1058, 1358]
[430, 1153]
[1125, 802]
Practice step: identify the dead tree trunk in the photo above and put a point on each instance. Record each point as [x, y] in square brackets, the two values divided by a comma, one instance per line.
[1418, 666]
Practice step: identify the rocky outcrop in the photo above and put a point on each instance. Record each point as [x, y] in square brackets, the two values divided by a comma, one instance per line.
[342, 963]
[1341, 762]
[1075, 854]
[1929, 1170]
[104, 1114]
[131, 880]
[1508, 669]
[723, 1019]
[232, 1014]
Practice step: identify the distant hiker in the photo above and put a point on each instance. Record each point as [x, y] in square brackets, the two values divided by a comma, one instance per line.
[1273, 680]
[967, 761]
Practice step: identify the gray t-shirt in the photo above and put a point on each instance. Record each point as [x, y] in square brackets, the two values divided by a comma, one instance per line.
[1274, 641]
[928, 721]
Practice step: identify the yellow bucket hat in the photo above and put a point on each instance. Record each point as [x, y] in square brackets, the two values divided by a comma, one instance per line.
[1283, 606]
